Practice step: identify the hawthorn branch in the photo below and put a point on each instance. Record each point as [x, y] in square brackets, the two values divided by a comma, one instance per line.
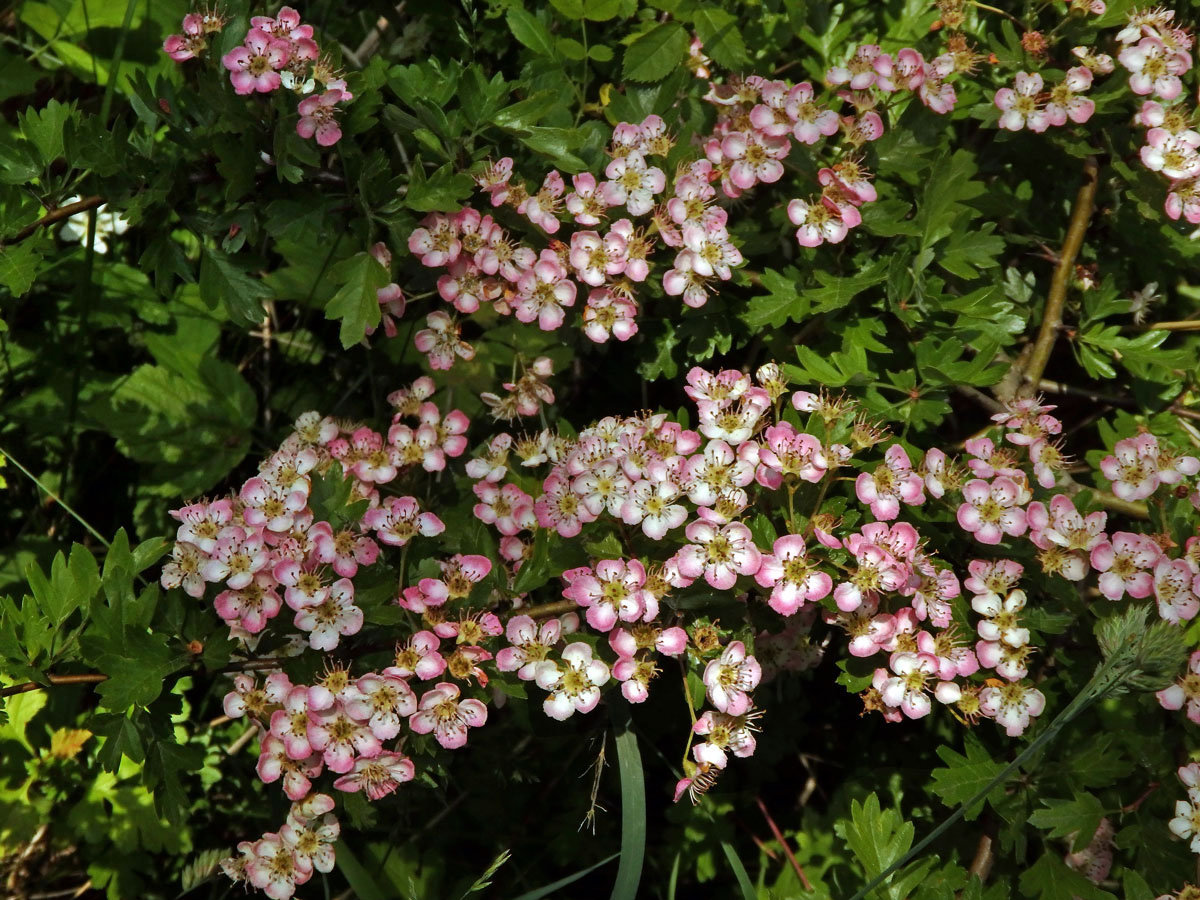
[55, 215]
[545, 610]
[1052, 319]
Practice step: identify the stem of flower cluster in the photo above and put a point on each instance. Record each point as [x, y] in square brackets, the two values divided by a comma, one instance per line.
[1099, 685]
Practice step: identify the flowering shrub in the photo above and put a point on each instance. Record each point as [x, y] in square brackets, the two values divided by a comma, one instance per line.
[740, 411]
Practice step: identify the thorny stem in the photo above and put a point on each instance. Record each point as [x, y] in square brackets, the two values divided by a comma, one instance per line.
[1085, 201]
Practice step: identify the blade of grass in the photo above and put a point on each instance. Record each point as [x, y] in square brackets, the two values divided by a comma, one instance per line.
[633, 805]
[739, 872]
[364, 886]
[547, 890]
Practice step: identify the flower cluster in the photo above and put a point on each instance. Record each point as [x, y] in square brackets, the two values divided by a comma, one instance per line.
[277, 52]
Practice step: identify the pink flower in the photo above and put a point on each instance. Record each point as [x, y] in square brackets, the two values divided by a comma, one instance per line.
[442, 713]
[1170, 154]
[543, 292]
[441, 342]
[811, 121]
[1065, 103]
[724, 733]
[255, 65]
[1133, 467]
[1153, 67]
[399, 520]
[858, 71]
[530, 645]
[1012, 706]
[730, 678]
[574, 683]
[437, 241]
[334, 616]
[1021, 107]
[720, 554]
[338, 737]
[191, 43]
[990, 511]
[317, 117]
[907, 688]
[1185, 691]
[540, 208]
[793, 579]
[1173, 589]
[419, 656]
[890, 483]
[596, 259]
[1002, 618]
[1124, 564]
[821, 221]
[275, 869]
[609, 314]
[613, 592]
[634, 183]
[236, 557]
[377, 777]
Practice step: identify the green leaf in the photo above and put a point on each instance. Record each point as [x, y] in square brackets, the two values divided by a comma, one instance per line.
[166, 763]
[878, 838]
[965, 776]
[571, 49]
[232, 287]
[135, 668]
[572, 9]
[356, 302]
[527, 112]
[443, 191]
[654, 55]
[19, 267]
[555, 886]
[538, 569]
[121, 739]
[633, 805]
[20, 709]
[1051, 879]
[745, 885]
[599, 10]
[44, 128]
[723, 42]
[529, 31]
[556, 143]
[600, 53]
[1062, 818]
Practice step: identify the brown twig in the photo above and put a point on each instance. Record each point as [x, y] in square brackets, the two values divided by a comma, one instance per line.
[245, 665]
[54, 215]
[1180, 325]
[1061, 280]
[981, 865]
[85, 678]
[787, 850]
[551, 609]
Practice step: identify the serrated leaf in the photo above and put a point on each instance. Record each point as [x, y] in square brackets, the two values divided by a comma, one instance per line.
[1061, 818]
[165, 765]
[44, 128]
[537, 570]
[224, 283]
[135, 665]
[356, 302]
[19, 267]
[654, 55]
[1051, 879]
[965, 776]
